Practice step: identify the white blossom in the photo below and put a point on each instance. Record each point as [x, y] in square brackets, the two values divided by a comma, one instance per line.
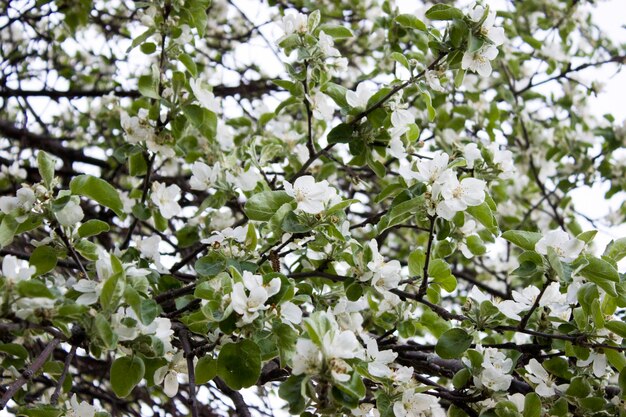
[478, 61]
[359, 97]
[417, 405]
[379, 360]
[166, 199]
[494, 34]
[251, 304]
[203, 176]
[432, 78]
[385, 275]
[294, 22]
[565, 247]
[14, 270]
[599, 363]
[24, 200]
[321, 105]
[168, 374]
[90, 291]
[82, 409]
[307, 359]
[205, 97]
[458, 196]
[71, 213]
[471, 153]
[311, 196]
[545, 383]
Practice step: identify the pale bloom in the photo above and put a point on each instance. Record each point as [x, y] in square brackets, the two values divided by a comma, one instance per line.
[359, 97]
[311, 196]
[203, 176]
[251, 304]
[168, 374]
[307, 359]
[494, 34]
[82, 409]
[479, 61]
[471, 153]
[14, 270]
[294, 22]
[166, 199]
[321, 105]
[71, 213]
[545, 383]
[417, 405]
[205, 97]
[565, 247]
[24, 199]
[433, 81]
[459, 195]
[599, 363]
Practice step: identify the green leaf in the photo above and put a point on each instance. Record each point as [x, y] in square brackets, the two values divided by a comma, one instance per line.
[291, 391]
[262, 206]
[523, 239]
[401, 59]
[126, 373]
[342, 133]
[429, 105]
[617, 327]
[616, 250]
[411, 21]
[600, 269]
[45, 163]
[453, 343]
[206, 369]
[92, 227]
[444, 12]
[476, 245]
[417, 260]
[148, 86]
[291, 224]
[33, 288]
[7, 230]
[484, 215]
[601, 273]
[104, 331]
[210, 265]
[555, 262]
[239, 364]
[98, 190]
[532, 405]
[313, 20]
[579, 387]
[187, 61]
[44, 259]
[336, 31]
[112, 292]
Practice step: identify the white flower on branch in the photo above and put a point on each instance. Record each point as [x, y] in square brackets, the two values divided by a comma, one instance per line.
[168, 374]
[566, 248]
[414, 404]
[311, 196]
[71, 213]
[545, 383]
[82, 409]
[459, 195]
[203, 176]
[359, 97]
[14, 270]
[205, 97]
[251, 304]
[321, 105]
[479, 61]
[166, 199]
